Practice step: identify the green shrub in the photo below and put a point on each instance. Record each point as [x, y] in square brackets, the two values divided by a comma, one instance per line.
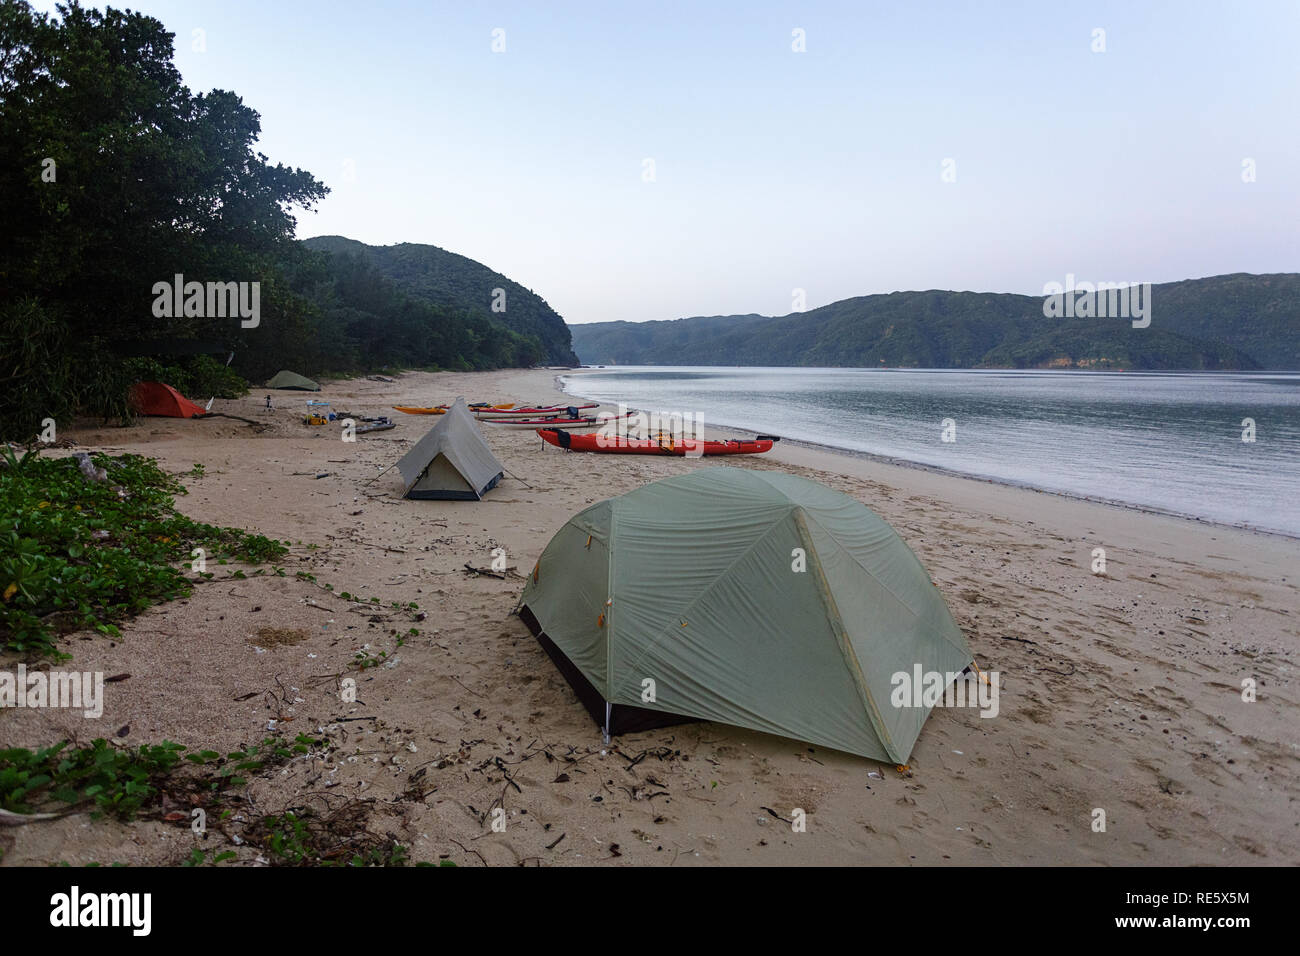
[198, 377]
[79, 554]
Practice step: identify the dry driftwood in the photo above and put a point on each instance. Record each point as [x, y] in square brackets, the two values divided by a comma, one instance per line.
[10, 819]
[239, 418]
[510, 572]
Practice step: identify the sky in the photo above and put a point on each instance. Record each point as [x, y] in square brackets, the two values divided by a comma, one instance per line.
[652, 161]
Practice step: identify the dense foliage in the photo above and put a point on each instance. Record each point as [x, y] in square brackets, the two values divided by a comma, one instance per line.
[435, 276]
[114, 177]
[1226, 322]
[121, 782]
[1258, 314]
[200, 376]
[361, 320]
[82, 554]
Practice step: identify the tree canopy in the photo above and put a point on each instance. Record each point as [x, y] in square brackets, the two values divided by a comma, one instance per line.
[115, 178]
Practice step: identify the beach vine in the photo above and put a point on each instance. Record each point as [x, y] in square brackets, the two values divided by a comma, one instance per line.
[77, 553]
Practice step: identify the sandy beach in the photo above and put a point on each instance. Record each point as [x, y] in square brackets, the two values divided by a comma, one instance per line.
[1120, 692]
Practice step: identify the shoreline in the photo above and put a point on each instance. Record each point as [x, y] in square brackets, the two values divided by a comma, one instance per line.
[889, 461]
[1119, 689]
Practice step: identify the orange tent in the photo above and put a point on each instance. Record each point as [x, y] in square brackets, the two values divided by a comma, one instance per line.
[155, 398]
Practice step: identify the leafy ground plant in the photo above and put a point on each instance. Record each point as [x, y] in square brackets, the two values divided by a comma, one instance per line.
[305, 836]
[80, 554]
[125, 781]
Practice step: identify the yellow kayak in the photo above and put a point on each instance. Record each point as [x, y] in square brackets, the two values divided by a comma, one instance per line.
[442, 409]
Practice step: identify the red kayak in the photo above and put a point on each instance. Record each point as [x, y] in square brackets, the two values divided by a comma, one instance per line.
[650, 446]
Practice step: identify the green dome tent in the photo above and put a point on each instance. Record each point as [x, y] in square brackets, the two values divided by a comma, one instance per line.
[286, 379]
[752, 598]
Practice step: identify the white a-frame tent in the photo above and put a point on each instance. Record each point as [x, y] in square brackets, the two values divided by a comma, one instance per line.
[452, 461]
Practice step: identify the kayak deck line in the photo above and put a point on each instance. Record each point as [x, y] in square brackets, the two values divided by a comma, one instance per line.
[650, 446]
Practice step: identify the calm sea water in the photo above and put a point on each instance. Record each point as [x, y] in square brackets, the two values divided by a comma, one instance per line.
[1171, 441]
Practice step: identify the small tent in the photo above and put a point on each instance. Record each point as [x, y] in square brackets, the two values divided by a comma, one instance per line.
[451, 461]
[285, 379]
[155, 398]
[752, 598]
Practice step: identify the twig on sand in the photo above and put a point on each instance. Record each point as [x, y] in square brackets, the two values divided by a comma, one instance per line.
[509, 780]
[368, 544]
[488, 573]
[316, 680]
[285, 696]
[1070, 673]
[474, 692]
[663, 753]
[238, 418]
[382, 547]
[468, 850]
[318, 585]
[556, 841]
[10, 819]
[372, 612]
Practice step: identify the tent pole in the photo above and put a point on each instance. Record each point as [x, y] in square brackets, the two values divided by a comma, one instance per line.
[607, 710]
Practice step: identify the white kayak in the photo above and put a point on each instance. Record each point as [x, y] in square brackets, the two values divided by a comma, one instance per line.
[571, 424]
[548, 411]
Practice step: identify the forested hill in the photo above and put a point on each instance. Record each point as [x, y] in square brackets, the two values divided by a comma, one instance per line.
[1237, 321]
[116, 179]
[444, 278]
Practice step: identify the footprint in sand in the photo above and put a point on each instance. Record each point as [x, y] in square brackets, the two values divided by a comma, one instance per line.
[1249, 845]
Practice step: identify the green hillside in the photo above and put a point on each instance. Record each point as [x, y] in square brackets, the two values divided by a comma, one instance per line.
[1259, 314]
[189, 195]
[442, 278]
[1225, 322]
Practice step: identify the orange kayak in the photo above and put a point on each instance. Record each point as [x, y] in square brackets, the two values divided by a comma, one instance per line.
[649, 446]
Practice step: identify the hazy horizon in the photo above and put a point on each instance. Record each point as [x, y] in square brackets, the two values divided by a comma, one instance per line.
[777, 170]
